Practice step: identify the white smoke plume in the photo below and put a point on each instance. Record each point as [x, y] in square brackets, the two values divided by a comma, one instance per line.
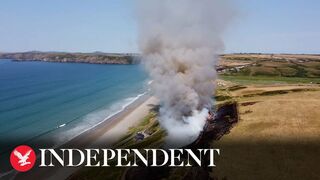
[180, 41]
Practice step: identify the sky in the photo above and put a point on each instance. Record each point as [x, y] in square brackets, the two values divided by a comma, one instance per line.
[272, 26]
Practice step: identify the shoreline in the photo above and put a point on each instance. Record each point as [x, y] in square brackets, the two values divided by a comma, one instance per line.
[104, 134]
[107, 124]
[137, 100]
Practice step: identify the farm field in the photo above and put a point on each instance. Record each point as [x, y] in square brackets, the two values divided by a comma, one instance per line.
[277, 136]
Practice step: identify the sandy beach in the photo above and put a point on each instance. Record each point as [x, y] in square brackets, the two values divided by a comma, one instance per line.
[103, 135]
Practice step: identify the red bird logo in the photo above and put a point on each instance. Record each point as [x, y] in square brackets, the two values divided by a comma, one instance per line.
[22, 158]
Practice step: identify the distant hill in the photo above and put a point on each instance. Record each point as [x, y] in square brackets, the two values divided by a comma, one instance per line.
[275, 65]
[93, 58]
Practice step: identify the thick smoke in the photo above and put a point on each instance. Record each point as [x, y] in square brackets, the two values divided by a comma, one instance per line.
[180, 41]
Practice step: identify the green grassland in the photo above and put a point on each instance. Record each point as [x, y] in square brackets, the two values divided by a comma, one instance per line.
[281, 69]
[254, 70]
[242, 79]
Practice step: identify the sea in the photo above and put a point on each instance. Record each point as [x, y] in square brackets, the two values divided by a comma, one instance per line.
[59, 101]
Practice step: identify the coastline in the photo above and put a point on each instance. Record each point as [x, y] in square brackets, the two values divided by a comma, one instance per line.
[64, 112]
[98, 133]
[103, 135]
[109, 121]
[73, 57]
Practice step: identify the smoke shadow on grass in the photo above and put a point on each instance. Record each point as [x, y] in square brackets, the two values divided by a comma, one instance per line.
[285, 159]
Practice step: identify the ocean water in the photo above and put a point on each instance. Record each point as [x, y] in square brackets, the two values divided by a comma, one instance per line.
[58, 101]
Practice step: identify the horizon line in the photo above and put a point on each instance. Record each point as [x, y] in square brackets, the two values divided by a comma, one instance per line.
[136, 53]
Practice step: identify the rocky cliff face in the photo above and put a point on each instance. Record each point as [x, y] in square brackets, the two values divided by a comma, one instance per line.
[94, 58]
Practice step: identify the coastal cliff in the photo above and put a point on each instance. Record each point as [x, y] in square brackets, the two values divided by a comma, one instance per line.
[237, 61]
[93, 58]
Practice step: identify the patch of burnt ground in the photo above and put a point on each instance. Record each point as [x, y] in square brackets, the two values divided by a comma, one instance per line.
[249, 103]
[218, 125]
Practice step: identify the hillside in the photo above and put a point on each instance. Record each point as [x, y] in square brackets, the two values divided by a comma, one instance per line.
[270, 65]
[94, 58]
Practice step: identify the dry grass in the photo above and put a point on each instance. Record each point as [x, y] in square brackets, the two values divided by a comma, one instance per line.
[285, 117]
[277, 137]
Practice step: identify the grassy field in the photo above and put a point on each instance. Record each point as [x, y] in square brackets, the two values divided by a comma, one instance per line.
[277, 136]
[250, 65]
[240, 79]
